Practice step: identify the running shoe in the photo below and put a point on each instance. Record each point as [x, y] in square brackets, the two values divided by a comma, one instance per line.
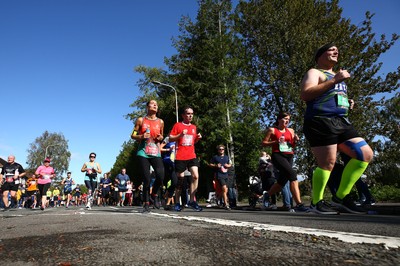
[156, 202]
[273, 207]
[167, 207]
[227, 208]
[195, 206]
[346, 205]
[146, 208]
[177, 207]
[300, 208]
[322, 207]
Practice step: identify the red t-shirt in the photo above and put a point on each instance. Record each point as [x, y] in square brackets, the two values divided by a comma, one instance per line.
[285, 147]
[185, 144]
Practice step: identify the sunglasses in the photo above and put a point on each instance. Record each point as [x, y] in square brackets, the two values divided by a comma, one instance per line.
[92, 156]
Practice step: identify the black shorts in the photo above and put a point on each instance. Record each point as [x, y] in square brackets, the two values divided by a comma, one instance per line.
[323, 131]
[182, 165]
[32, 192]
[9, 186]
[223, 180]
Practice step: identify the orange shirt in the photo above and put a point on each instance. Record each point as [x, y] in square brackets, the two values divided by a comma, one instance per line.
[32, 184]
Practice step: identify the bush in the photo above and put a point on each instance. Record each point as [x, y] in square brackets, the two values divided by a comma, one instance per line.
[386, 193]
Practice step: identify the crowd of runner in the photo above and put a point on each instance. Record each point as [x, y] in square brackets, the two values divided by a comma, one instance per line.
[326, 128]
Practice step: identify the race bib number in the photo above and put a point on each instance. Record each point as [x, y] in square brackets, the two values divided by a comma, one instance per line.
[223, 169]
[10, 179]
[343, 101]
[151, 149]
[187, 140]
[285, 147]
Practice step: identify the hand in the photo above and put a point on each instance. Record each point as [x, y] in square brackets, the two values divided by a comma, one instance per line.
[146, 135]
[351, 103]
[159, 137]
[184, 132]
[341, 76]
[296, 138]
[199, 136]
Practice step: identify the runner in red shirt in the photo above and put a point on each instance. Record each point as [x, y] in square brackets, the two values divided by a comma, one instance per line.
[186, 136]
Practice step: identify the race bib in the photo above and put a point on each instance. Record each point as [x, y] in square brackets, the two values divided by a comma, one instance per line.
[343, 101]
[223, 169]
[285, 147]
[151, 149]
[187, 140]
[9, 179]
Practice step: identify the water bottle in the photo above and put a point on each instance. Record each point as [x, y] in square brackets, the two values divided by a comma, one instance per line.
[148, 130]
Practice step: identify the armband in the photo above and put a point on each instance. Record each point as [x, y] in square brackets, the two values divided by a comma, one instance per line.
[134, 133]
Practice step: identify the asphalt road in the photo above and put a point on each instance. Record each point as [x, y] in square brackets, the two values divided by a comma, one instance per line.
[124, 236]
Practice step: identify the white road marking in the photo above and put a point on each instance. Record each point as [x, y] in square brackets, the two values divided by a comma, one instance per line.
[389, 242]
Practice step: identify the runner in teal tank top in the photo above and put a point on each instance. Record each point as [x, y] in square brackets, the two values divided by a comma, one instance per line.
[328, 131]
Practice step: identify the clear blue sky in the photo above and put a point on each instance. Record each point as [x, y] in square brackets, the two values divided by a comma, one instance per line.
[67, 67]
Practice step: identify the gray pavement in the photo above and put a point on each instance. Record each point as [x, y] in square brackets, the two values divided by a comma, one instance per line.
[123, 236]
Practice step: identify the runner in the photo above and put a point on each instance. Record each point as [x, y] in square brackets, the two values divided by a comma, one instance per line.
[328, 131]
[68, 182]
[45, 174]
[91, 169]
[149, 131]
[283, 140]
[10, 179]
[122, 180]
[186, 136]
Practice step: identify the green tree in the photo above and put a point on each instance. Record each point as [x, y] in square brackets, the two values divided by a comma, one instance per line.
[281, 37]
[53, 146]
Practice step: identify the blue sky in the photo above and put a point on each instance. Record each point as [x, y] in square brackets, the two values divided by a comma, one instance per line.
[67, 66]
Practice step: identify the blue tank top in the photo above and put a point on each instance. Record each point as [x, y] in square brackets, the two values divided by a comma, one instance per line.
[333, 102]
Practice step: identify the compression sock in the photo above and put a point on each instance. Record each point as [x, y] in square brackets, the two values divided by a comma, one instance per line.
[319, 180]
[351, 173]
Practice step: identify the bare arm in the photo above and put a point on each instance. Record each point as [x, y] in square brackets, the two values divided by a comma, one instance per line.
[314, 83]
[267, 139]
[135, 134]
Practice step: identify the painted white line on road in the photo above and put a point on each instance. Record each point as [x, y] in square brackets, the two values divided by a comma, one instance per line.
[389, 242]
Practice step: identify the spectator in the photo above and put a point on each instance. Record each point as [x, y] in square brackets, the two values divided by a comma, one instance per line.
[266, 172]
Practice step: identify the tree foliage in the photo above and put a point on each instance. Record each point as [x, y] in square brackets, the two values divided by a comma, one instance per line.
[56, 147]
[280, 39]
[238, 67]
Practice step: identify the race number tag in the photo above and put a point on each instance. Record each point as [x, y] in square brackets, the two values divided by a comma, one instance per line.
[151, 149]
[343, 101]
[285, 147]
[187, 140]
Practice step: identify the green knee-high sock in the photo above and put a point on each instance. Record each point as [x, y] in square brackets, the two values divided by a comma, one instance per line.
[351, 173]
[319, 179]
